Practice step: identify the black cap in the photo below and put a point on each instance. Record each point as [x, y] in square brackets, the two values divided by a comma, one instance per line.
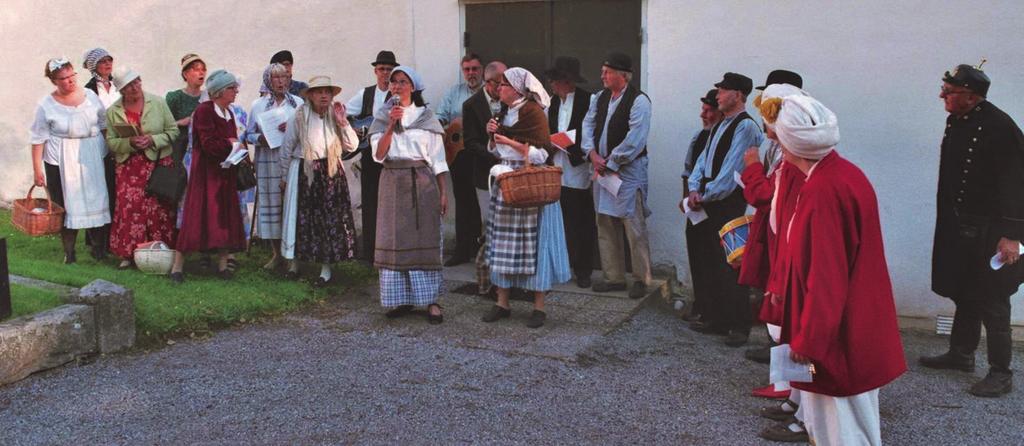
[282, 56]
[970, 78]
[735, 81]
[385, 57]
[619, 61]
[566, 68]
[711, 98]
[783, 77]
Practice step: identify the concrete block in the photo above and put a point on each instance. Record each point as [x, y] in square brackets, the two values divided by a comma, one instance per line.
[45, 340]
[115, 314]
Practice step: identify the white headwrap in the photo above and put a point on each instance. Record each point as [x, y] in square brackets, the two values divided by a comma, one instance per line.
[806, 127]
[779, 91]
[92, 58]
[526, 84]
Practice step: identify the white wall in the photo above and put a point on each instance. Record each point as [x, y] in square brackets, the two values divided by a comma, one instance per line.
[877, 64]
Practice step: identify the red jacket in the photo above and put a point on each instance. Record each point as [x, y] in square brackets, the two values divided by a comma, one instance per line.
[839, 308]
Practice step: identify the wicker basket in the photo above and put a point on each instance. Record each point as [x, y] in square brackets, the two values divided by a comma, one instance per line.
[531, 186]
[37, 216]
[155, 258]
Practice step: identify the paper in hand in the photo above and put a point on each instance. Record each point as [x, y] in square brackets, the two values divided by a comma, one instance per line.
[239, 152]
[611, 183]
[269, 122]
[995, 263]
[783, 368]
[695, 216]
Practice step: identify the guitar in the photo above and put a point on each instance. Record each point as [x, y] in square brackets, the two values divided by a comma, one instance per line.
[453, 143]
[361, 126]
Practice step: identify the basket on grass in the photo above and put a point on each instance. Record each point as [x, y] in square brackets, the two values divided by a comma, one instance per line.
[154, 258]
[531, 186]
[37, 216]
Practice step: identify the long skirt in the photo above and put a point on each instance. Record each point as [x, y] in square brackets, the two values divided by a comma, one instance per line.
[836, 421]
[139, 217]
[552, 259]
[268, 187]
[325, 231]
[83, 181]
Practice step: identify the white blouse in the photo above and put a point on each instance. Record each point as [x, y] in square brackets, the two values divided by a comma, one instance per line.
[320, 137]
[506, 152]
[414, 144]
[107, 97]
[55, 121]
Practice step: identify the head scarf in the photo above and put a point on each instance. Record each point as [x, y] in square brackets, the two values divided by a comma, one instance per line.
[218, 81]
[417, 81]
[265, 88]
[92, 58]
[769, 101]
[526, 84]
[806, 127]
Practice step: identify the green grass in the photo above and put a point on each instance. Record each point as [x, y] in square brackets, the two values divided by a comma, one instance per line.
[162, 309]
[29, 300]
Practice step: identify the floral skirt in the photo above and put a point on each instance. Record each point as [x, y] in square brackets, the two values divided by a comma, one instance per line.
[325, 231]
[138, 217]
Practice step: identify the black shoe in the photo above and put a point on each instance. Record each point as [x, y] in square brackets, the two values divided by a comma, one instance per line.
[761, 355]
[536, 319]
[321, 282]
[456, 260]
[583, 281]
[737, 338]
[638, 291]
[434, 319]
[994, 385]
[496, 312]
[604, 287]
[692, 317]
[708, 328]
[69, 258]
[177, 278]
[781, 432]
[399, 311]
[949, 360]
[778, 413]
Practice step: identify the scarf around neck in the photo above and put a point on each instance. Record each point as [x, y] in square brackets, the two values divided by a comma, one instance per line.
[334, 149]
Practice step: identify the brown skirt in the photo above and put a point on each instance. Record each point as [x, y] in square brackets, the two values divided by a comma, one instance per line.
[408, 217]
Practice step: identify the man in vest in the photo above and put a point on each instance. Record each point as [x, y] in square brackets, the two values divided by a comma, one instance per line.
[713, 188]
[361, 108]
[568, 107]
[467, 210]
[615, 139]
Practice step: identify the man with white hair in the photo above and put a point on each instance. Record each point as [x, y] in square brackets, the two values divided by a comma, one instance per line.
[840, 317]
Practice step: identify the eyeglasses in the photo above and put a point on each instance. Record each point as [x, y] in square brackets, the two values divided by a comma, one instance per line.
[493, 82]
[73, 74]
[949, 91]
[401, 82]
[505, 84]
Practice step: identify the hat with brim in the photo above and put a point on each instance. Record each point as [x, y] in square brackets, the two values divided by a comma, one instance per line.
[385, 57]
[123, 76]
[711, 98]
[321, 82]
[187, 60]
[565, 69]
[619, 61]
[783, 77]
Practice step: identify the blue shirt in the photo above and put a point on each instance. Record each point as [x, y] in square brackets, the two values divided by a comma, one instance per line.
[622, 159]
[451, 104]
[748, 133]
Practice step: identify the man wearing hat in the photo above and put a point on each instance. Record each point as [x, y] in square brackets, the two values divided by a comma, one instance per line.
[615, 138]
[467, 209]
[284, 57]
[568, 108]
[979, 214]
[361, 107]
[713, 188]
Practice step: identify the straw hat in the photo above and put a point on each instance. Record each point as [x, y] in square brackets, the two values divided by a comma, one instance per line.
[321, 82]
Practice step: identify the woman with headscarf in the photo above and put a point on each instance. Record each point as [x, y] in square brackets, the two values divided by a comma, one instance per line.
[68, 151]
[407, 138]
[525, 246]
[321, 212]
[212, 221]
[139, 217]
[268, 171]
[101, 64]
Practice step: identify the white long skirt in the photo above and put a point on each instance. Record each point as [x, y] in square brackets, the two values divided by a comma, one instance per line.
[842, 421]
[83, 180]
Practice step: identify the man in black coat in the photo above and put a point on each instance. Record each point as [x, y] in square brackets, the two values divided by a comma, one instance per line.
[476, 112]
[980, 213]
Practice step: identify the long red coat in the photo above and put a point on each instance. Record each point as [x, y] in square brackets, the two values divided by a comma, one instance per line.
[839, 308]
[212, 219]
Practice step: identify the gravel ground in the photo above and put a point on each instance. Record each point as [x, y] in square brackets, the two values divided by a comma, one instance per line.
[303, 380]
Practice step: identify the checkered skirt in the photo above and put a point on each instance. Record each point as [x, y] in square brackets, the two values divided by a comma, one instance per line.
[511, 234]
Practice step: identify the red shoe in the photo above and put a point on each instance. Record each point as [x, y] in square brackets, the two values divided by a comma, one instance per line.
[770, 392]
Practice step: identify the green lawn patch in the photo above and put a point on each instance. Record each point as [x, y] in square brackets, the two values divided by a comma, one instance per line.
[29, 300]
[163, 309]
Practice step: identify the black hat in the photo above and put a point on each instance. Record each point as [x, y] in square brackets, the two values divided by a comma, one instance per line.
[970, 78]
[619, 61]
[783, 77]
[711, 98]
[385, 57]
[566, 68]
[282, 56]
[734, 81]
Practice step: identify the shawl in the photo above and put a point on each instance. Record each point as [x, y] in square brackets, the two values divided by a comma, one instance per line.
[334, 148]
[427, 121]
[531, 128]
[265, 88]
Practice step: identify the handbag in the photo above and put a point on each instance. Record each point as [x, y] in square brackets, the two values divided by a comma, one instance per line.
[167, 183]
[246, 176]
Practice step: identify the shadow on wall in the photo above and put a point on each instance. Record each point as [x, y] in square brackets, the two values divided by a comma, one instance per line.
[15, 164]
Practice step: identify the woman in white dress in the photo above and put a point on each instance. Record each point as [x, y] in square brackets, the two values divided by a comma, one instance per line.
[67, 153]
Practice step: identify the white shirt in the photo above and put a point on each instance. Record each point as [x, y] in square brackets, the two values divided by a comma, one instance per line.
[107, 97]
[576, 177]
[494, 104]
[505, 152]
[253, 130]
[55, 121]
[354, 106]
[413, 144]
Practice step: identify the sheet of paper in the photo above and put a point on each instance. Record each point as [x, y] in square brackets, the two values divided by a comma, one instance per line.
[238, 153]
[995, 263]
[610, 183]
[695, 216]
[785, 369]
[269, 122]
[564, 140]
[739, 179]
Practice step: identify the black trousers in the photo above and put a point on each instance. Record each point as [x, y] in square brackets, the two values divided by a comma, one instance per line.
[368, 183]
[467, 210]
[718, 297]
[580, 229]
[994, 313]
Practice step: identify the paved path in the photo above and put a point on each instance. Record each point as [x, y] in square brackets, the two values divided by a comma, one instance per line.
[338, 373]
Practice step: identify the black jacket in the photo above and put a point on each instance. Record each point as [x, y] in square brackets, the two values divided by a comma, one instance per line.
[980, 198]
[580, 105]
[475, 114]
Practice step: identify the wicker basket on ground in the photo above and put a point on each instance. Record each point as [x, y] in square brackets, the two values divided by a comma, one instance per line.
[154, 258]
[37, 216]
[531, 186]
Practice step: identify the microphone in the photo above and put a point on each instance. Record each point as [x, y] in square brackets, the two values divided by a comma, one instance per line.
[395, 101]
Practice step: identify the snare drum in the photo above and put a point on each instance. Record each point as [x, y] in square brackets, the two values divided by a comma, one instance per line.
[734, 239]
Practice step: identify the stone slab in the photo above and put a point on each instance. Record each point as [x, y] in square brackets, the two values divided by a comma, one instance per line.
[114, 307]
[47, 339]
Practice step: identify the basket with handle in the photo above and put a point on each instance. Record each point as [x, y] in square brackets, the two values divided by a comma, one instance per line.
[531, 186]
[37, 216]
